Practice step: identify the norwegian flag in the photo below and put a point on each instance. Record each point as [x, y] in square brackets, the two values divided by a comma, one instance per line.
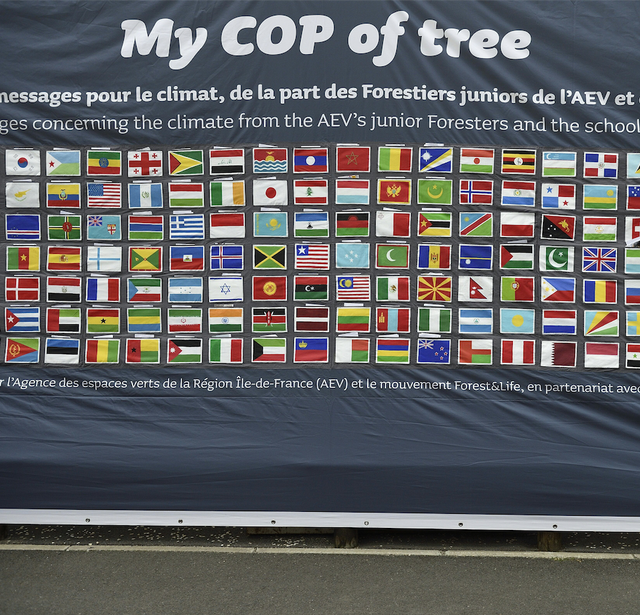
[476, 192]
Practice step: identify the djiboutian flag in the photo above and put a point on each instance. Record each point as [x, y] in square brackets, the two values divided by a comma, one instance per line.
[225, 350]
[102, 351]
[475, 352]
[518, 352]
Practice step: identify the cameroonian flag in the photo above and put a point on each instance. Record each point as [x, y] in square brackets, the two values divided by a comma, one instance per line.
[23, 258]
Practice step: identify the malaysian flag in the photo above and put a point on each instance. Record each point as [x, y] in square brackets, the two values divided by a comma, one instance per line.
[350, 287]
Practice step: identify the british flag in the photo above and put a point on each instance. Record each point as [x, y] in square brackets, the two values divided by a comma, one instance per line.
[599, 259]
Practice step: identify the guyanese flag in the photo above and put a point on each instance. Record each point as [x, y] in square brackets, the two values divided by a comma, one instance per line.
[102, 351]
[187, 162]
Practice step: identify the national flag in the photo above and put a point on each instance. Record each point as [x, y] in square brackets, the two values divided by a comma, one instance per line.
[63, 162]
[63, 320]
[395, 159]
[227, 192]
[63, 290]
[516, 320]
[186, 194]
[107, 228]
[21, 289]
[145, 163]
[184, 320]
[633, 323]
[393, 224]
[599, 259]
[394, 191]
[102, 351]
[352, 191]
[269, 257]
[599, 196]
[392, 288]
[558, 227]
[226, 161]
[23, 258]
[269, 350]
[352, 350]
[434, 224]
[310, 160]
[520, 194]
[22, 194]
[516, 224]
[269, 288]
[562, 290]
[187, 258]
[225, 320]
[476, 257]
[476, 192]
[146, 228]
[270, 192]
[310, 288]
[631, 292]
[476, 160]
[63, 195]
[434, 288]
[270, 160]
[22, 350]
[311, 224]
[186, 162]
[631, 230]
[516, 256]
[64, 228]
[185, 290]
[104, 258]
[474, 320]
[393, 320]
[392, 256]
[144, 290]
[517, 352]
[434, 320]
[601, 356]
[311, 256]
[64, 259]
[632, 260]
[225, 350]
[516, 289]
[474, 288]
[352, 255]
[435, 159]
[353, 159]
[392, 350]
[556, 259]
[432, 256]
[352, 224]
[311, 350]
[22, 319]
[434, 191]
[604, 291]
[61, 351]
[559, 164]
[476, 224]
[269, 224]
[311, 319]
[633, 197]
[633, 165]
[349, 319]
[144, 196]
[103, 290]
[103, 320]
[434, 352]
[143, 351]
[186, 226]
[519, 161]
[229, 224]
[559, 322]
[558, 196]
[633, 356]
[104, 162]
[599, 229]
[145, 259]
[144, 320]
[475, 352]
[226, 257]
[22, 162]
[23, 227]
[353, 288]
[600, 165]
[601, 323]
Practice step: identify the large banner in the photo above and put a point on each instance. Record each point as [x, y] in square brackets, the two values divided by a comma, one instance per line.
[320, 259]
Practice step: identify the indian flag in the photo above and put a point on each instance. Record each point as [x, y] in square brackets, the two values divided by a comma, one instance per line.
[225, 350]
[102, 351]
[225, 320]
[227, 193]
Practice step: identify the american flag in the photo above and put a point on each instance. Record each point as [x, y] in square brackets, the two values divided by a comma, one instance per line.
[104, 195]
[312, 256]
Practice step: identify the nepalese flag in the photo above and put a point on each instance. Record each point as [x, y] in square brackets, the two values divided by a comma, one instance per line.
[516, 224]
[21, 289]
[185, 290]
[352, 255]
[476, 160]
[22, 319]
[556, 259]
[145, 163]
[599, 229]
[64, 228]
[311, 256]
[435, 159]
[64, 259]
[310, 192]
[226, 289]
[184, 320]
[605, 291]
[63, 162]
[269, 350]
[435, 191]
[145, 259]
[23, 227]
[103, 290]
[352, 191]
[474, 288]
[186, 194]
[269, 257]
[311, 288]
[475, 352]
[269, 288]
[226, 161]
[476, 257]
[600, 355]
[144, 290]
[61, 351]
[434, 288]
[631, 292]
[145, 227]
[186, 162]
[22, 350]
[632, 260]
[225, 192]
[352, 224]
[599, 196]
[517, 320]
[353, 288]
[561, 290]
[349, 319]
[600, 165]
[392, 256]
[476, 192]
[23, 258]
[516, 289]
[519, 161]
[143, 351]
[474, 320]
[353, 159]
[144, 320]
[311, 224]
[599, 259]
[105, 228]
[143, 196]
[104, 162]
[558, 196]
[393, 320]
[311, 319]
[270, 160]
[225, 350]
[102, 351]
[307, 160]
[633, 356]
[104, 258]
[63, 195]
[392, 350]
[22, 162]
[104, 195]
[476, 224]
[22, 194]
[225, 320]
[558, 227]
[394, 191]
[311, 350]
[186, 226]
[559, 322]
[434, 352]
[224, 257]
[392, 288]
[434, 320]
[520, 194]
[434, 256]
[518, 352]
[559, 164]
[64, 290]
[633, 197]
[515, 256]
[434, 224]
[352, 350]
[598, 323]
[395, 159]
[393, 224]
[229, 224]
[271, 224]
[270, 192]
[103, 320]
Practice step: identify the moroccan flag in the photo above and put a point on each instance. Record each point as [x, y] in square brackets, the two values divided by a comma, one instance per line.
[395, 159]
[102, 351]
[352, 224]
[23, 258]
[186, 162]
[353, 159]
[143, 351]
[475, 352]
[145, 259]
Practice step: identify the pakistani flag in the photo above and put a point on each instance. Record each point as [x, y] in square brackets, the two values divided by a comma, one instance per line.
[556, 259]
